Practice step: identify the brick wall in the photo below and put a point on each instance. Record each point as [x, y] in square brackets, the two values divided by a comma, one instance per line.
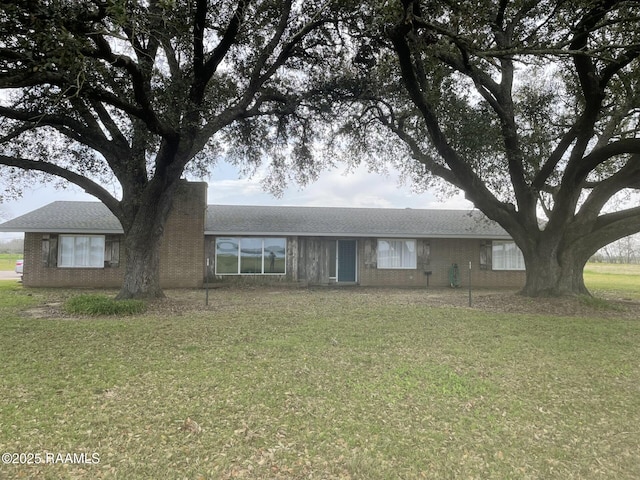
[181, 253]
[38, 274]
[308, 261]
[436, 256]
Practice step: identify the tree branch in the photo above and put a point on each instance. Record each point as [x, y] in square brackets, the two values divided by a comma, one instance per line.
[627, 177]
[607, 229]
[204, 69]
[464, 175]
[139, 83]
[602, 154]
[71, 127]
[83, 182]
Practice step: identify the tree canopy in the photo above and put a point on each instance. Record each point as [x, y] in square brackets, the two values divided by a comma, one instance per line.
[530, 107]
[141, 91]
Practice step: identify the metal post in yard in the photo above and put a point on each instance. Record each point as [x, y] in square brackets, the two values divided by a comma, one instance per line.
[469, 283]
[206, 280]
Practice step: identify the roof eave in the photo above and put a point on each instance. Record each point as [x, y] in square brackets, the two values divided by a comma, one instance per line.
[88, 231]
[356, 235]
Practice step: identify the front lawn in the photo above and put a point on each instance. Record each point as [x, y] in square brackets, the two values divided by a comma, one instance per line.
[326, 384]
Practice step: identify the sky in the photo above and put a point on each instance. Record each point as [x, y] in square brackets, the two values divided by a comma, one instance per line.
[334, 188]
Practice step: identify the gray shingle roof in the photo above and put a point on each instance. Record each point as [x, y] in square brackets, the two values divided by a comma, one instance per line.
[66, 217]
[349, 222]
[94, 217]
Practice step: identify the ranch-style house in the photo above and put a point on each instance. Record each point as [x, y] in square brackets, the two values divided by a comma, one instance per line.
[77, 244]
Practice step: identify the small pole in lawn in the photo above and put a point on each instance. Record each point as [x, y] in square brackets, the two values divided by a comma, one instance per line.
[206, 285]
[469, 283]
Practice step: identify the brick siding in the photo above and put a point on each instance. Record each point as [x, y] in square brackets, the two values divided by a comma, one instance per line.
[181, 253]
[436, 256]
[308, 262]
[36, 274]
[182, 250]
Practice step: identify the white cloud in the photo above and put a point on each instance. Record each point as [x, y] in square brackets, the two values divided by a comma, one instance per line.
[341, 187]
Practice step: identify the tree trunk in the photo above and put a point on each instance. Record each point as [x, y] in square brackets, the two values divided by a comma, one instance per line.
[554, 271]
[142, 267]
[142, 242]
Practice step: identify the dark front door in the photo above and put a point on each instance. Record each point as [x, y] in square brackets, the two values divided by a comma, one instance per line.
[347, 260]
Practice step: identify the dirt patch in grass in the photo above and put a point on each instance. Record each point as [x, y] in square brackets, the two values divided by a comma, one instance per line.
[499, 301]
[183, 302]
[562, 306]
[46, 310]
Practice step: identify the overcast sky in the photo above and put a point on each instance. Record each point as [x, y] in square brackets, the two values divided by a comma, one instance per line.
[334, 188]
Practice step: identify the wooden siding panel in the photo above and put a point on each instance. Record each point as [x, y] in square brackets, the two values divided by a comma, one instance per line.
[313, 260]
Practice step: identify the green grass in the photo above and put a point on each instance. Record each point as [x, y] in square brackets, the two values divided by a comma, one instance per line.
[607, 279]
[8, 261]
[96, 304]
[318, 384]
[13, 298]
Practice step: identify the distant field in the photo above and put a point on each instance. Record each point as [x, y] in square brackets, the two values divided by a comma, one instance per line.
[613, 268]
[8, 260]
[608, 278]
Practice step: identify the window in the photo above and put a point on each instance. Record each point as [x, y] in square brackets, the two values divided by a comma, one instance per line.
[333, 258]
[396, 254]
[506, 256]
[275, 250]
[485, 255]
[227, 255]
[250, 256]
[79, 251]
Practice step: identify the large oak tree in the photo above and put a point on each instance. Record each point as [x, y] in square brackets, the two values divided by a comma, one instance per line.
[532, 108]
[143, 90]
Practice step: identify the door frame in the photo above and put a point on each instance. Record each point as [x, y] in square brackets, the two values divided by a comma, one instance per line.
[354, 242]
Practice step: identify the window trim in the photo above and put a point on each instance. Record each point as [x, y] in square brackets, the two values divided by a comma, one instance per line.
[414, 265]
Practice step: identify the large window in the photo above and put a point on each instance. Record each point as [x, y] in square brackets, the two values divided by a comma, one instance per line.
[397, 254]
[250, 256]
[79, 251]
[506, 256]
[227, 255]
